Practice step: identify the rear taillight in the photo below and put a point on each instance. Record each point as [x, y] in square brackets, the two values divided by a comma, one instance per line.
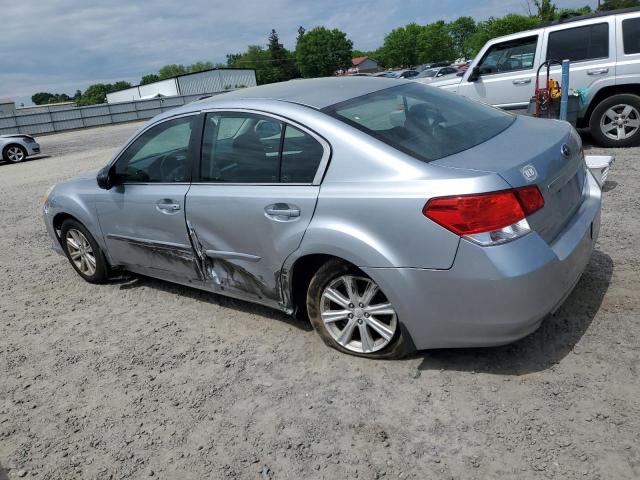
[487, 218]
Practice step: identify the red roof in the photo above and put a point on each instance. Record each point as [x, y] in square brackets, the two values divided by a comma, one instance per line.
[358, 60]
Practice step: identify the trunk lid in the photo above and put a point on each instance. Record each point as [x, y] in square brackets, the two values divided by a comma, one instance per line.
[546, 153]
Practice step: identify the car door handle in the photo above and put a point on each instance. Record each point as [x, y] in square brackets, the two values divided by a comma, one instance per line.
[522, 81]
[598, 71]
[168, 206]
[282, 210]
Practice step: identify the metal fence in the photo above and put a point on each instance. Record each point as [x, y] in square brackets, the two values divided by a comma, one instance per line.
[52, 118]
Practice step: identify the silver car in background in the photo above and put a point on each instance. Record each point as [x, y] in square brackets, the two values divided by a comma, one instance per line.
[16, 148]
[395, 216]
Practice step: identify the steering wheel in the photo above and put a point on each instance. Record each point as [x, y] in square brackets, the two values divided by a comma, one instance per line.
[172, 167]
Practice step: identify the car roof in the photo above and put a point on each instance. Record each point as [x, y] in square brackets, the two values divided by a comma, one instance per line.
[316, 92]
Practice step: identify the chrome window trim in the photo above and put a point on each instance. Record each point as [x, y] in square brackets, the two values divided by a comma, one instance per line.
[326, 146]
[141, 132]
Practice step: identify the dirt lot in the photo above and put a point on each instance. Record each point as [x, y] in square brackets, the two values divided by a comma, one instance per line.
[142, 378]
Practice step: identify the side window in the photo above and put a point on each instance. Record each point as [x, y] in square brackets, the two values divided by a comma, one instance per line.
[159, 155]
[301, 156]
[631, 35]
[240, 148]
[580, 43]
[510, 56]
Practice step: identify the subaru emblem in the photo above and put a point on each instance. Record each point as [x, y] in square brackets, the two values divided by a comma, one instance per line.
[529, 173]
[566, 151]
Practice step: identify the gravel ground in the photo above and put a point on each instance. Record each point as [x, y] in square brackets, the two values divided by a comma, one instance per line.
[142, 378]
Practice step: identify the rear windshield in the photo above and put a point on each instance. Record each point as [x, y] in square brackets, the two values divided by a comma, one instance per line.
[422, 121]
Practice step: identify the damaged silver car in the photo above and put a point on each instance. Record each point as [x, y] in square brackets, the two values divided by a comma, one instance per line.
[393, 215]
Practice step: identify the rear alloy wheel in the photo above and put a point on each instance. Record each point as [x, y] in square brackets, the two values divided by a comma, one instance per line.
[615, 122]
[352, 314]
[83, 252]
[14, 153]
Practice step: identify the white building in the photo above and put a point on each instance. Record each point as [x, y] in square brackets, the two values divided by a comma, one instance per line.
[200, 83]
[7, 107]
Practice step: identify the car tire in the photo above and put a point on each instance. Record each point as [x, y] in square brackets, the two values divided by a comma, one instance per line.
[607, 121]
[336, 333]
[83, 252]
[14, 153]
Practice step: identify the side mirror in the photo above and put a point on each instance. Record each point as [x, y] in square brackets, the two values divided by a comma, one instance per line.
[105, 178]
[474, 75]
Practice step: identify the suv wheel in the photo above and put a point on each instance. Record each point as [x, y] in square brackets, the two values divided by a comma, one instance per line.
[615, 122]
[352, 314]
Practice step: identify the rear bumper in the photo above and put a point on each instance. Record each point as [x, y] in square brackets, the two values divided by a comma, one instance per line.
[493, 295]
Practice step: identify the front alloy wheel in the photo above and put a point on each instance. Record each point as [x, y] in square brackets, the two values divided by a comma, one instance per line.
[15, 153]
[80, 252]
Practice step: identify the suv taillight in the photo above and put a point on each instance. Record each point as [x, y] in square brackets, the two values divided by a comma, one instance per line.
[487, 218]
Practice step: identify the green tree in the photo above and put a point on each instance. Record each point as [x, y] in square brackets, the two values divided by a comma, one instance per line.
[497, 27]
[434, 44]
[461, 31]
[400, 46]
[77, 96]
[172, 70]
[199, 67]
[282, 62]
[321, 52]
[607, 5]
[95, 94]
[259, 59]
[547, 10]
[573, 12]
[41, 98]
[120, 85]
[150, 78]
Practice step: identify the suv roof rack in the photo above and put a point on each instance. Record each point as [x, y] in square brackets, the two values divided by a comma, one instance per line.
[607, 13]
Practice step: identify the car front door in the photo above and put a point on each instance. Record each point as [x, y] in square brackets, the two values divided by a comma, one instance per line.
[142, 215]
[507, 72]
[252, 201]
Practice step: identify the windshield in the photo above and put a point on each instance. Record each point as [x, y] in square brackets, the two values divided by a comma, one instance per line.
[428, 74]
[424, 122]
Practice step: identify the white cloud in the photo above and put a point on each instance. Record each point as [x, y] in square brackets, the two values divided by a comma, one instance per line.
[63, 45]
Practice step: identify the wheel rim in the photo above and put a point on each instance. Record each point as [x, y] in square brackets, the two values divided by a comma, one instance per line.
[15, 154]
[620, 122]
[80, 252]
[357, 314]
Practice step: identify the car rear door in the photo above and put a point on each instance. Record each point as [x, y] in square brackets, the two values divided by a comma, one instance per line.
[507, 73]
[590, 45]
[252, 200]
[142, 215]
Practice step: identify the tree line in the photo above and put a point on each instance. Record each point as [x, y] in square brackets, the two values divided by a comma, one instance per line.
[321, 51]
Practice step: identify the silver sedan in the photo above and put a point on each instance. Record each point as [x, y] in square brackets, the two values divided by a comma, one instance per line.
[15, 148]
[392, 215]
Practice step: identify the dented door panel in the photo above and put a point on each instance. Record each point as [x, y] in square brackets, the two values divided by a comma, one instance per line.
[241, 240]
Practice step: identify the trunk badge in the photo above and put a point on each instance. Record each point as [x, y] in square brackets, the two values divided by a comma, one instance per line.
[529, 173]
[566, 151]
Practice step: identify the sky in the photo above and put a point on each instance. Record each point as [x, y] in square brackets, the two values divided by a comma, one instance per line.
[60, 46]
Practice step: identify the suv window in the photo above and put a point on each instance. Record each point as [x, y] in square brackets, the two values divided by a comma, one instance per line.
[509, 56]
[301, 156]
[631, 35]
[580, 43]
[159, 155]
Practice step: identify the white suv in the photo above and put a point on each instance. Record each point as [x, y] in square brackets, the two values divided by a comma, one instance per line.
[604, 50]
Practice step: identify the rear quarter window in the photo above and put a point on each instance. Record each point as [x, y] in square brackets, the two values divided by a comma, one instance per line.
[631, 35]
[579, 44]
